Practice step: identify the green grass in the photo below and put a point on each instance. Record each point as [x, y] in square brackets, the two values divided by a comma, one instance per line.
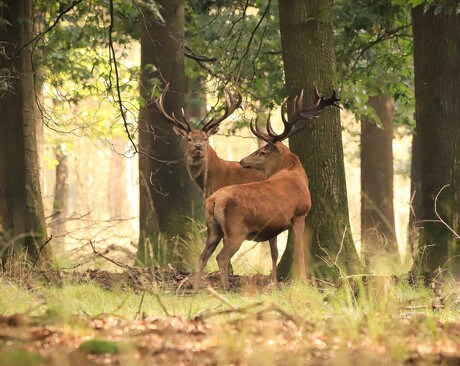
[377, 314]
[366, 301]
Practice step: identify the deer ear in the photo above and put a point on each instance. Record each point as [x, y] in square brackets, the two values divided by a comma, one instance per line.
[212, 130]
[179, 131]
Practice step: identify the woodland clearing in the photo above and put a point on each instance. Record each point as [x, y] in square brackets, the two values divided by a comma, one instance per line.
[153, 316]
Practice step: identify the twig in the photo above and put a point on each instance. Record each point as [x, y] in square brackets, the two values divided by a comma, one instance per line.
[182, 282]
[242, 310]
[40, 250]
[437, 214]
[55, 23]
[221, 298]
[280, 310]
[440, 220]
[341, 246]
[95, 252]
[380, 38]
[138, 313]
[160, 302]
[113, 59]
[248, 45]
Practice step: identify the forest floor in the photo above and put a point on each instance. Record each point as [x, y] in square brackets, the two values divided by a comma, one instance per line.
[154, 317]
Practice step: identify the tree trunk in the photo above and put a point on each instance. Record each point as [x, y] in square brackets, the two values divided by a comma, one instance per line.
[21, 208]
[437, 71]
[40, 133]
[60, 204]
[167, 195]
[309, 59]
[415, 199]
[377, 215]
[195, 105]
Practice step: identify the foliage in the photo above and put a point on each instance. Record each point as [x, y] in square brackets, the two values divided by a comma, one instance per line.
[72, 52]
[447, 6]
[237, 43]
[99, 346]
[374, 53]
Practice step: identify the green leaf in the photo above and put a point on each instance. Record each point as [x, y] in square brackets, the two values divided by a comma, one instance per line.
[99, 346]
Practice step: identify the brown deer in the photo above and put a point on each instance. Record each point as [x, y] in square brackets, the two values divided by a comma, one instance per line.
[261, 210]
[205, 168]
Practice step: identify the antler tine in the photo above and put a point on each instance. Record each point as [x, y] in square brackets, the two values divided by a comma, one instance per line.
[158, 104]
[298, 113]
[270, 131]
[283, 110]
[317, 94]
[321, 103]
[184, 119]
[173, 116]
[310, 113]
[299, 104]
[230, 106]
[255, 130]
[288, 122]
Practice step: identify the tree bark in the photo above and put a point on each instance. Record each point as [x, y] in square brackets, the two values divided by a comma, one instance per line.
[167, 195]
[40, 133]
[21, 208]
[195, 106]
[377, 215]
[309, 59]
[437, 154]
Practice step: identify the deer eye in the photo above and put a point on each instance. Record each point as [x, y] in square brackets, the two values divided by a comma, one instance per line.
[189, 139]
[205, 139]
[262, 153]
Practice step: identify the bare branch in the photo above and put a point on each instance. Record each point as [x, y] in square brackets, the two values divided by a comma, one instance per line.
[113, 59]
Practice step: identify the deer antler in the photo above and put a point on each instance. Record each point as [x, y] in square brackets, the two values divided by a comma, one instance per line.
[158, 104]
[231, 104]
[298, 113]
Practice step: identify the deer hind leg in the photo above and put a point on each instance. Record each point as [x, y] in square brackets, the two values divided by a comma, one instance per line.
[274, 254]
[214, 236]
[298, 227]
[231, 246]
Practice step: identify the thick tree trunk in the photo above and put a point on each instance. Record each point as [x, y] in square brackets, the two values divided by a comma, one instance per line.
[60, 204]
[309, 59]
[377, 215]
[21, 209]
[415, 200]
[167, 195]
[437, 156]
[40, 133]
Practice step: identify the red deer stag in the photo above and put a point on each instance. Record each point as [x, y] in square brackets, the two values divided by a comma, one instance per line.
[205, 168]
[261, 210]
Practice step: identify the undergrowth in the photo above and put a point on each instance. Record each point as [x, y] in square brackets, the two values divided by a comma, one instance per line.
[379, 317]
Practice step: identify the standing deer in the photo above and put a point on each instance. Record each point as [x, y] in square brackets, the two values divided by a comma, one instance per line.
[261, 210]
[205, 168]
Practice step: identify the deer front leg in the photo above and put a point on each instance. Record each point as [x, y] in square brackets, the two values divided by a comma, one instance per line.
[298, 227]
[274, 254]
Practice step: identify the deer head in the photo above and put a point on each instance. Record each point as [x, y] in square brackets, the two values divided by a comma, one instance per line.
[197, 139]
[266, 158]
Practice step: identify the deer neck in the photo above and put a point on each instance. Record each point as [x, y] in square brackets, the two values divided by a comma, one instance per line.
[287, 161]
[198, 169]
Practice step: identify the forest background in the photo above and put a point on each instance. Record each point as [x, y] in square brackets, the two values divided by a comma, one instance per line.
[83, 156]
